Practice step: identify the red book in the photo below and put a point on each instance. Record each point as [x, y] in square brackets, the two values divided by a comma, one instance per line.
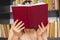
[31, 15]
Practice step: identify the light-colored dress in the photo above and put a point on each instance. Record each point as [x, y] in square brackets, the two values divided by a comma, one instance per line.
[29, 36]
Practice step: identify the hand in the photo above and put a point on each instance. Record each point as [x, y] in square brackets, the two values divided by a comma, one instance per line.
[41, 30]
[17, 28]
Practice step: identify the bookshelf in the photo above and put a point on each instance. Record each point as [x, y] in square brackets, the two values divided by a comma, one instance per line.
[3, 38]
[6, 15]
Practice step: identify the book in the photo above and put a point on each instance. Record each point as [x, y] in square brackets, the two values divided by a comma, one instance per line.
[31, 15]
[53, 4]
[53, 27]
[5, 30]
[0, 30]
[52, 30]
[49, 3]
[8, 29]
[2, 35]
[58, 27]
[59, 3]
[56, 4]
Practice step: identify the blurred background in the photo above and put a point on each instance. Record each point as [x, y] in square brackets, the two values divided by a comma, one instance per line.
[6, 18]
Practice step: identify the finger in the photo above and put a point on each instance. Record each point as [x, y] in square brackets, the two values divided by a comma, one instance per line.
[21, 29]
[39, 27]
[18, 24]
[21, 26]
[15, 23]
[42, 24]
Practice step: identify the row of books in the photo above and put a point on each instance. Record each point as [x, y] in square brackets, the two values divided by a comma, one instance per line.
[4, 30]
[52, 4]
[54, 27]
[53, 30]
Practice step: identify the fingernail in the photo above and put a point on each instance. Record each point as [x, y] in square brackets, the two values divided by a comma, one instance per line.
[21, 21]
[17, 20]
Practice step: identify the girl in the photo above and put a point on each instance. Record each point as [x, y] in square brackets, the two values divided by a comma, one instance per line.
[17, 33]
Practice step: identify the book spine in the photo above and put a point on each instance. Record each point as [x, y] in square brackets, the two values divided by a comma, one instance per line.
[59, 4]
[3, 32]
[0, 30]
[56, 4]
[58, 27]
[52, 30]
[53, 4]
[8, 28]
[49, 3]
[53, 27]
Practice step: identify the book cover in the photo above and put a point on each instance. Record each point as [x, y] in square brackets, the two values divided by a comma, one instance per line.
[32, 15]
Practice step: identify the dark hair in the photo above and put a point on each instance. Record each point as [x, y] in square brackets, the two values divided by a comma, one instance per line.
[29, 1]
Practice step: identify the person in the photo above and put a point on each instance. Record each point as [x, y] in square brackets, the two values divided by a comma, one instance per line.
[27, 2]
[18, 32]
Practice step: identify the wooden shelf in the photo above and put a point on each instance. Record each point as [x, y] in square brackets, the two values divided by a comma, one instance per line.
[48, 38]
[53, 13]
[4, 16]
[3, 38]
[5, 2]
